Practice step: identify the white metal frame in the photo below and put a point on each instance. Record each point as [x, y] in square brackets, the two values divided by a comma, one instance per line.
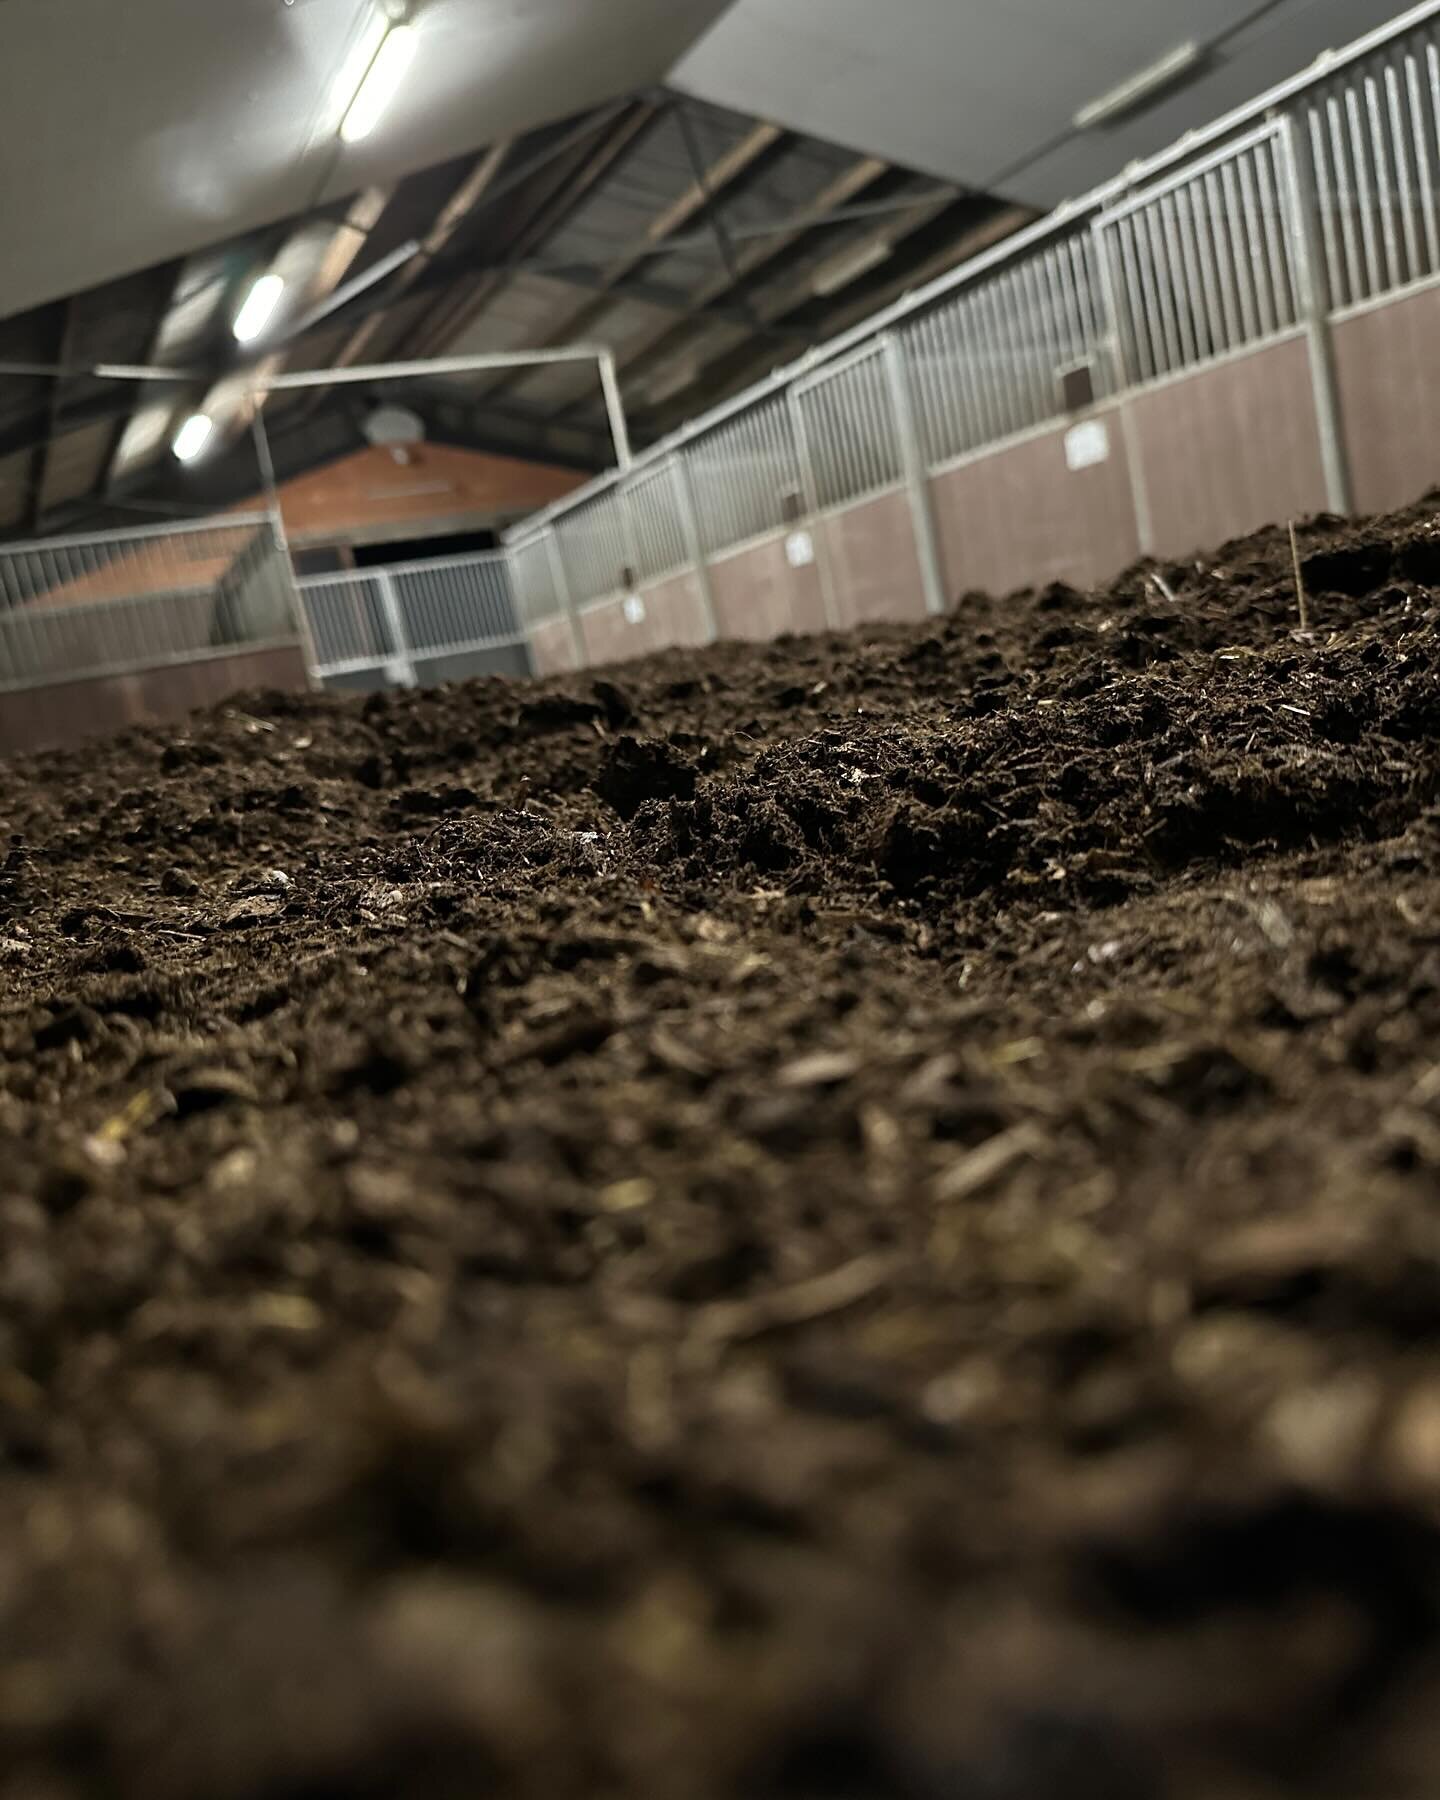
[401, 604]
[1234, 223]
[46, 638]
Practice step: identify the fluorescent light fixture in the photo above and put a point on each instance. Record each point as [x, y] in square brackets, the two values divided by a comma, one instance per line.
[1184, 60]
[382, 79]
[193, 436]
[259, 308]
[356, 66]
[849, 266]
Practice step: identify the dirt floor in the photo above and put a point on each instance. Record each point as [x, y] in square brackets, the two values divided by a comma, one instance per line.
[853, 1219]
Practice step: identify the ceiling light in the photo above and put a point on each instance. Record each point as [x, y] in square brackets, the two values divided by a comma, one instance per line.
[849, 266]
[1184, 60]
[193, 436]
[259, 308]
[377, 90]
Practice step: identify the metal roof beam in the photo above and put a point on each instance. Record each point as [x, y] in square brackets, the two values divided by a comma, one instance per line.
[466, 197]
[745, 364]
[749, 258]
[697, 201]
[562, 186]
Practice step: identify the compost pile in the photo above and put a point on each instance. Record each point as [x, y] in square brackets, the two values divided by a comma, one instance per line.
[857, 1217]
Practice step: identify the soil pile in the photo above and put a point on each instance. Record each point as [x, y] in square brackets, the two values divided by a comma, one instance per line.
[852, 1219]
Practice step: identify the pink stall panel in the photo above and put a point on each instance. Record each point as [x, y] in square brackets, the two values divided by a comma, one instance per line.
[64, 712]
[874, 562]
[1387, 370]
[1021, 517]
[610, 637]
[673, 616]
[1230, 448]
[678, 609]
[758, 595]
[552, 649]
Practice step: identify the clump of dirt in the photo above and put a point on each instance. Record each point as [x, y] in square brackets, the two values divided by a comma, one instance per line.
[847, 1217]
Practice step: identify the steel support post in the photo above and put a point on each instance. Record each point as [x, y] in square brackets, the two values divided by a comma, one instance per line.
[400, 666]
[810, 489]
[694, 544]
[917, 477]
[562, 591]
[1312, 292]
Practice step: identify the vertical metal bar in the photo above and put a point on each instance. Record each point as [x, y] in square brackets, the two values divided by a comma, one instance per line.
[1114, 342]
[836, 456]
[1054, 328]
[561, 581]
[1012, 304]
[1217, 270]
[615, 408]
[690, 532]
[970, 330]
[1162, 283]
[1362, 194]
[1013, 310]
[263, 457]
[1384, 199]
[1256, 247]
[999, 358]
[1182, 284]
[970, 394]
[1326, 205]
[1345, 200]
[1075, 338]
[1432, 64]
[956, 418]
[1042, 356]
[927, 396]
[825, 450]
[1140, 298]
[853, 387]
[1313, 302]
[811, 493]
[1277, 239]
[1239, 253]
[1409, 225]
[1422, 162]
[1199, 275]
[880, 401]
[1198, 239]
[912, 461]
[400, 664]
[843, 397]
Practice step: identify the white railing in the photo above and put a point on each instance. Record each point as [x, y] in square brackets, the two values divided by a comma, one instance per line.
[399, 617]
[1317, 196]
[83, 607]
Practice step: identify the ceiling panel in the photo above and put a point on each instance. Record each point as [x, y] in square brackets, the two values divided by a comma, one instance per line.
[15, 488]
[134, 133]
[984, 93]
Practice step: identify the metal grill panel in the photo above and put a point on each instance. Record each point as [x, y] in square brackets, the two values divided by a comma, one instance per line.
[1374, 140]
[348, 625]
[848, 415]
[456, 605]
[74, 608]
[987, 363]
[1204, 264]
[656, 526]
[593, 549]
[532, 578]
[746, 476]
